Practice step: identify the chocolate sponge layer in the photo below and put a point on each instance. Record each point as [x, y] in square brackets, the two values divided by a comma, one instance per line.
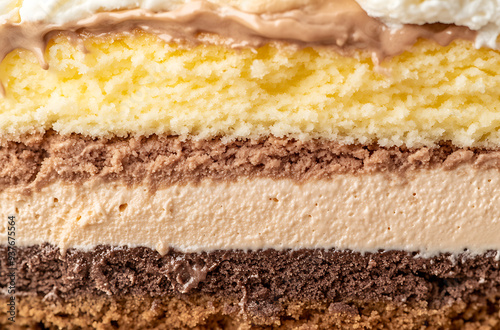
[262, 280]
[38, 160]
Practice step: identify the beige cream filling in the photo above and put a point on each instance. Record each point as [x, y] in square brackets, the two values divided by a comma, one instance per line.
[432, 211]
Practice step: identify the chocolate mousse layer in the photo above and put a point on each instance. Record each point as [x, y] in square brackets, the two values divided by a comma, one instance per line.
[160, 161]
[261, 280]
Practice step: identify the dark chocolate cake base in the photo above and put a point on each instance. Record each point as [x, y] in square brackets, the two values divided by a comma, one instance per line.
[109, 288]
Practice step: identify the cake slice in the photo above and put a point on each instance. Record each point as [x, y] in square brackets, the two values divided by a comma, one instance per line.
[238, 164]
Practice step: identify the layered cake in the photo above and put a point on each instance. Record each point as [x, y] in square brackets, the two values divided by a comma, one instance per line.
[309, 164]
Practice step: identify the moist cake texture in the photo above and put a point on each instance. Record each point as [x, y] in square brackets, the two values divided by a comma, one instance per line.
[347, 288]
[214, 91]
[249, 164]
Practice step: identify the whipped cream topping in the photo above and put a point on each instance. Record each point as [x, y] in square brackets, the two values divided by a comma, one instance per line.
[478, 15]
[60, 12]
[64, 11]
[3, 6]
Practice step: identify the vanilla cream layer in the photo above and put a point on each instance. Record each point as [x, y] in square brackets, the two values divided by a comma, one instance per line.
[433, 211]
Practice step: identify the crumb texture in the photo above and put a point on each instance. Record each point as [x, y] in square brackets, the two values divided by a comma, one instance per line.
[123, 288]
[421, 97]
[106, 313]
[262, 279]
[159, 161]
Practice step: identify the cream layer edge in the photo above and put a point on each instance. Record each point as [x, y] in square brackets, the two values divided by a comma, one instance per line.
[428, 211]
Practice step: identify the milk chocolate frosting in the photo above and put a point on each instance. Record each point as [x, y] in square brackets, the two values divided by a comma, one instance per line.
[341, 25]
[160, 161]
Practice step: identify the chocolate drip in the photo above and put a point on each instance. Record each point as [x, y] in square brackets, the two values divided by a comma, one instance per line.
[341, 25]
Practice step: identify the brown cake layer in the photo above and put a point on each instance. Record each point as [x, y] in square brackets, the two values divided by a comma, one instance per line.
[261, 280]
[128, 288]
[203, 312]
[164, 160]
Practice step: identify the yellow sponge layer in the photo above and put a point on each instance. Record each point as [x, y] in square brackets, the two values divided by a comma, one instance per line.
[142, 85]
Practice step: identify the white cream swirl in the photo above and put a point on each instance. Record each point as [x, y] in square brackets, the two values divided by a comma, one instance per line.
[64, 11]
[478, 15]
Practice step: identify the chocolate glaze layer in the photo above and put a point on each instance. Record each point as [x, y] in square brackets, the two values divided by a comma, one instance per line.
[158, 161]
[342, 25]
[261, 280]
